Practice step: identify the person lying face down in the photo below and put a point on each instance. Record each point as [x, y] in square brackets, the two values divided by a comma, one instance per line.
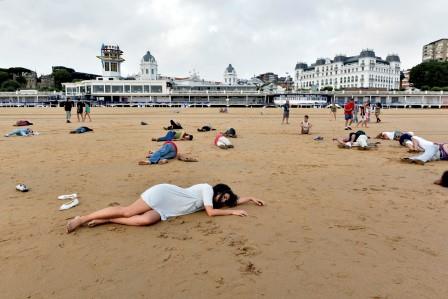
[21, 132]
[222, 142]
[393, 135]
[174, 125]
[353, 138]
[164, 201]
[81, 130]
[167, 152]
[443, 181]
[206, 128]
[431, 152]
[174, 135]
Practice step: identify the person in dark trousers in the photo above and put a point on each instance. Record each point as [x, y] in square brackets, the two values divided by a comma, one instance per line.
[80, 110]
[286, 107]
[68, 105]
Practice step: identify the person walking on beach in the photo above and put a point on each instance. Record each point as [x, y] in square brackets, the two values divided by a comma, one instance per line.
[378, 107]
[163, 201]
[80, 110]
[348, 113]
[87, 113]
[363, 121]
[68, 105]
[286, 107]
[333, 110]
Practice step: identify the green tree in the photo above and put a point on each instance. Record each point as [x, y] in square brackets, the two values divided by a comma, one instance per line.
[429, 74]
[10, 85]
[4, 76]
[61, 76]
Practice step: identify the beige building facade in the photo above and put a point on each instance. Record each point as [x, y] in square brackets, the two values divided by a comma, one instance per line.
[437, 50]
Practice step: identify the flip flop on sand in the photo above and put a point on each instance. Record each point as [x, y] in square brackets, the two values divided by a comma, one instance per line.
[67, 196]
[22, 188]
[69, 205]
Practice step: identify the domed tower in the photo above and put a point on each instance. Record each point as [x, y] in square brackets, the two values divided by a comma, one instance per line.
[230, 76]
[148, 67]
[111, 61]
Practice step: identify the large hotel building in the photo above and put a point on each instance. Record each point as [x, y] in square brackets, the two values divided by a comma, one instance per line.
[365, 70]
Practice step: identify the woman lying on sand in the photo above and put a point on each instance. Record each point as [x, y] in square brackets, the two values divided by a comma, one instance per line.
[163, 201]
[174, 135]
[358, 139]
[395, 135]
[22, 132]
[166, 152]
[432, 152]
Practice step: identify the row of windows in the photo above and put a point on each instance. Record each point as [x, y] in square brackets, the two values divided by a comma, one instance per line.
[317, 74]
[370, 85]
[115, 89]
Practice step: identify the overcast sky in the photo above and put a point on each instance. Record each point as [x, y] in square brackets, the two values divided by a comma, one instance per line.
[255, 36]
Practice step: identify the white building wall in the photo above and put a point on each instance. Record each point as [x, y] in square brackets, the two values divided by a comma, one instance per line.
[365, 73]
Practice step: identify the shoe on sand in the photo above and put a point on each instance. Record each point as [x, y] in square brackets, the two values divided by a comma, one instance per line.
[67, 196]
[69, 205]
[22, 188]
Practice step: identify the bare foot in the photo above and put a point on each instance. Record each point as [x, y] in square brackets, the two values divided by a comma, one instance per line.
[163, 161]
[96, 222]
[143, 163]
[73, 224]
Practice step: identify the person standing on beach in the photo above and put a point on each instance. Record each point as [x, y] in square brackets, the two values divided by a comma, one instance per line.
[286, 107]
[355, 113]
[79, 110]
[348, 113]
[68, 104]
[87, 113]
[333, 110]
[378, 112]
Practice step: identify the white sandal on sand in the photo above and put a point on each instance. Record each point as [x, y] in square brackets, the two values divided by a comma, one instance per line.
[69, 205]
[67, 196]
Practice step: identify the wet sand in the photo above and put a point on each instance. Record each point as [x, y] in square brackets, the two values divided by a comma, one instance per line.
[338, 223]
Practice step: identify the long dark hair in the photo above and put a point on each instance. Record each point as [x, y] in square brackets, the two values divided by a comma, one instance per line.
[218, 191]
[444, 179]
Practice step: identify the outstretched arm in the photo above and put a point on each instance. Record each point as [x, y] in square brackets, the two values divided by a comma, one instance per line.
[223, 212]
[256, 201]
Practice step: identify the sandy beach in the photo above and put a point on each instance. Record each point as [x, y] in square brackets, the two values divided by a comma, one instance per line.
[337, 223]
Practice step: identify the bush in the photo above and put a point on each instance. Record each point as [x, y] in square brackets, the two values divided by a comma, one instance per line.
[445, 88]
[10, 85]
[435, 88]
[425, 87]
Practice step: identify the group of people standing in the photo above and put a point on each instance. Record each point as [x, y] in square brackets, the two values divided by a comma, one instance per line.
[82, 110]
[352, 109]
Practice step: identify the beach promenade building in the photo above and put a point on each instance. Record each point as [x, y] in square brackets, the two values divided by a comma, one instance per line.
[365, 70]
[437, 50]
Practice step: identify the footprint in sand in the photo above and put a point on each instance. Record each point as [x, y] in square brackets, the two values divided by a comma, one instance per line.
[250, 268]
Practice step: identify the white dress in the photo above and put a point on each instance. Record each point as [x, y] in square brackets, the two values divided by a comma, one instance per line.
[170, 200]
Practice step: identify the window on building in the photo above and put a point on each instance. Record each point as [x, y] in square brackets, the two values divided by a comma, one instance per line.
[136, 88]
[146, 88]
[127, 88]
[107, 88]
[113, 67]
[117, 88]
[156, 88]
[152, 71]
[146, 70]
[106, 66]
[98, 88]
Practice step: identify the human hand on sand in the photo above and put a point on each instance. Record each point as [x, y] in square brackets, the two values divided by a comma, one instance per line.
[257, 201]
[241, 213]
